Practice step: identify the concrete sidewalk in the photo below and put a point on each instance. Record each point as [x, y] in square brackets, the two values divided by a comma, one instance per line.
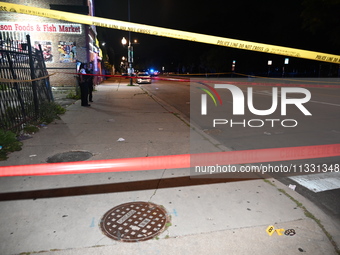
[59, 215]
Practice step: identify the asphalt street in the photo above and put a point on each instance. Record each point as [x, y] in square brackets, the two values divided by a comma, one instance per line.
[323, 127]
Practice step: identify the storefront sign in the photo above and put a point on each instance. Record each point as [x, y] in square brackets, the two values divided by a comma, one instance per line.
[40, 27]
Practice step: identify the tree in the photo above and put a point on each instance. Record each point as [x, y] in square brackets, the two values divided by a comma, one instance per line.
[321, 17]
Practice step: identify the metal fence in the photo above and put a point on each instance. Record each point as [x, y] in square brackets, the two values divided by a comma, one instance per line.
[24, 82]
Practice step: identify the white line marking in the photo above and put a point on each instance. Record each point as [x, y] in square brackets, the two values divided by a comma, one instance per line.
[319, 182]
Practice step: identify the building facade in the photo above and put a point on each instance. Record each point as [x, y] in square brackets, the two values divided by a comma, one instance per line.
[65, 45]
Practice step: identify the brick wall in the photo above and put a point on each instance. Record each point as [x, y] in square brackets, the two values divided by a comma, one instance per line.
[58, 64]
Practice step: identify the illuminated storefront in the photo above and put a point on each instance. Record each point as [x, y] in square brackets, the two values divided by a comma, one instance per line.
[64, 44]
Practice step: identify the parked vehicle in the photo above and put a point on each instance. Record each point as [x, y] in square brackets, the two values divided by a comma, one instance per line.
[143, 77]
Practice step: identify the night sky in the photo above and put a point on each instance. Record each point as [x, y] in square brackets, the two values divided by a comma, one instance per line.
[304, 24]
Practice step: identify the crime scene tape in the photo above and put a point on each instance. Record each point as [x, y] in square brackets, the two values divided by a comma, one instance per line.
[272, 84]
[174, 161]
[324, 84]
[288, 79]
[171, 33]
[18, 80]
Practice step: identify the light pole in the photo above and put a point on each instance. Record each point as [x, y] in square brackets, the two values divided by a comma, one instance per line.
[283, 68]
[123, 65]
[130, 49]
[130, 57]
[233, 65]
[270, 62]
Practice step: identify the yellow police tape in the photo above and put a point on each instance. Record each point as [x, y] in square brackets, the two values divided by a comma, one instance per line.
[171, 33]
[18, 80]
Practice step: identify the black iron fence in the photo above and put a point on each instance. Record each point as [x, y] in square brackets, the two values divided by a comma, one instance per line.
[24, 83]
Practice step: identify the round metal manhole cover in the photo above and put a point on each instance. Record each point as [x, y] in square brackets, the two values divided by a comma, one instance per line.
[70, 156]
[134, 222]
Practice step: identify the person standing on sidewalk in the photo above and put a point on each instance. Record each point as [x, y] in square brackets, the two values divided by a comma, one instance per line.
[90, 80]
[84, 85]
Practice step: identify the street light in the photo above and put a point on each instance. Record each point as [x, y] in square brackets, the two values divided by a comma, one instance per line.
[270, 62]
[233, 66]
[130, 48]
[123, 64]
[283, 68]
[124, 41]
[130, 57]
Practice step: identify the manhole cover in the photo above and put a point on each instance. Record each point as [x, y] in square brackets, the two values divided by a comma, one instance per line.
[134, 222]
[70, 156]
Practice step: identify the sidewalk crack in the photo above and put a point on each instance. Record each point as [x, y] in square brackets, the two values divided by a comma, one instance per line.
[159, 182]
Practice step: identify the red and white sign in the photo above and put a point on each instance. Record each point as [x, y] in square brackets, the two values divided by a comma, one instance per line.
[40, 27]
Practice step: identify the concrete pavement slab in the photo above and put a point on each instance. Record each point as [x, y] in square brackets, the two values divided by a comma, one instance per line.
[231, 216]
[232, 242]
